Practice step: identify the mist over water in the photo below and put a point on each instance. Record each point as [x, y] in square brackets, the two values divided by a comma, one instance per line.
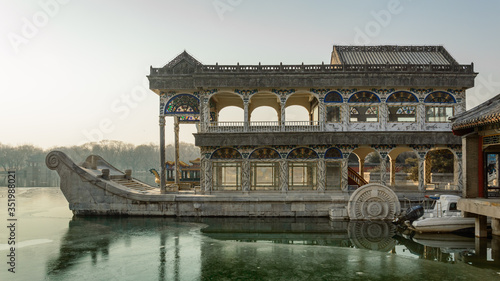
[52, 245]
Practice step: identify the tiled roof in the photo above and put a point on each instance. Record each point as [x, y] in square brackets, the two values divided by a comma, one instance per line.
[483, 114]
[389, 54]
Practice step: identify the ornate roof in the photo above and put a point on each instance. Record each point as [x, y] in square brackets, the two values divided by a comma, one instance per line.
[390, 54]
[483, 114]
[182, 57]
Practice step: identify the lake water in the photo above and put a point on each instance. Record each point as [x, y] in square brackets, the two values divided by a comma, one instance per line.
[52, 245]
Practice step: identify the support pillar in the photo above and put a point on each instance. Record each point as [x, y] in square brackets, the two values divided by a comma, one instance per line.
[458, 172]
[321, 114]
[245, 175]
[163, 168]
[283, 175]
[393, 171]
[344, 171]
[246, 117]
[344, 116]
[495, 227]
[383, 168]
[321, 175]
[177, 166]
[421, 172]
[282, 119]
[470, 160]
[208, 175]
[427, 169]
[480, 227]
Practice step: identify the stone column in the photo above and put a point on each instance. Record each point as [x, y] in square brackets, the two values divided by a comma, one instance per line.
[177, 166]
[163, 169]
[393, 171]
[208, 175]
[284, 175]
[458, 175]
[384, 112]
[203, 117]
[206, 115]
[470, 160]
[344, 115]
[245, 175]
[321, 175]
[283, 117]
[246, 117]
[383, 167]
[427, 169]
[321, 114]
[481, 226]
[421, 116]
[345, 177]
[421, 169]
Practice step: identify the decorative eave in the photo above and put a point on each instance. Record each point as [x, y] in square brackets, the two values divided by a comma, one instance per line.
[479, 116]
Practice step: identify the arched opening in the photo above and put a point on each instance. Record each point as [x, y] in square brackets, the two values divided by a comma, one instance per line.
[364, 107]
[439, 169]
[226, 174]
[439, 107]
[333, 157]
[264, 114]
[223, 108]
[296, 113]
[302, 169]
[404, 169]
[264, 169]
[302, 107]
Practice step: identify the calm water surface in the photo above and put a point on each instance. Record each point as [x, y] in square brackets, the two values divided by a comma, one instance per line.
[52, 245]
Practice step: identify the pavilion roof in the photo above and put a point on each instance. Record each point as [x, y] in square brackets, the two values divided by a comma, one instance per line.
[486, 113]
[391, 54]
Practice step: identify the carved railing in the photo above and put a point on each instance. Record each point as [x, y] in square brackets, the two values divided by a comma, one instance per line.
[355, 177]
[263, 126]
[323, 68]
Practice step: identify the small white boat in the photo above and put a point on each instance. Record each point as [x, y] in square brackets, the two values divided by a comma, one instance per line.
[443, 218]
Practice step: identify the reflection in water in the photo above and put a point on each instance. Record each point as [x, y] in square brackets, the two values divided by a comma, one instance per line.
[257, 248]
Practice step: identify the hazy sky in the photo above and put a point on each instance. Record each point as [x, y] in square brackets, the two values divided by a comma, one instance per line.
[75, 71]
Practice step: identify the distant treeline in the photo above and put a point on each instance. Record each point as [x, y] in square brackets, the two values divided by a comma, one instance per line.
[29, 161]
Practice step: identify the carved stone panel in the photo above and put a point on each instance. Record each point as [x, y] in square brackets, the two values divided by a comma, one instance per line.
[373, 202]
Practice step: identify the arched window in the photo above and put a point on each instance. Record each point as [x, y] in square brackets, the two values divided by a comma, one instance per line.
[438, 107]
[439, 97]
[302, 153]
[264, 175]
[226, 174]
[183, 104]
[402, 96]
[364, 113]
[226, 153]
[333, 153]
[333, 96]
[265, 153]
[364, 97]
[332, 101]
[302, 174]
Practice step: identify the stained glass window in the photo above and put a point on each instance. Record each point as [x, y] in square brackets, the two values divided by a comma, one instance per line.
[265, 153]
[302, 176]
[264, 176]
[364, 113]
[402, 97]
[364, 97]
[302, 153]
[226, 153]
[333, 153]
[183, 103]
[439, 97]
[333, 96]
[402, 114]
